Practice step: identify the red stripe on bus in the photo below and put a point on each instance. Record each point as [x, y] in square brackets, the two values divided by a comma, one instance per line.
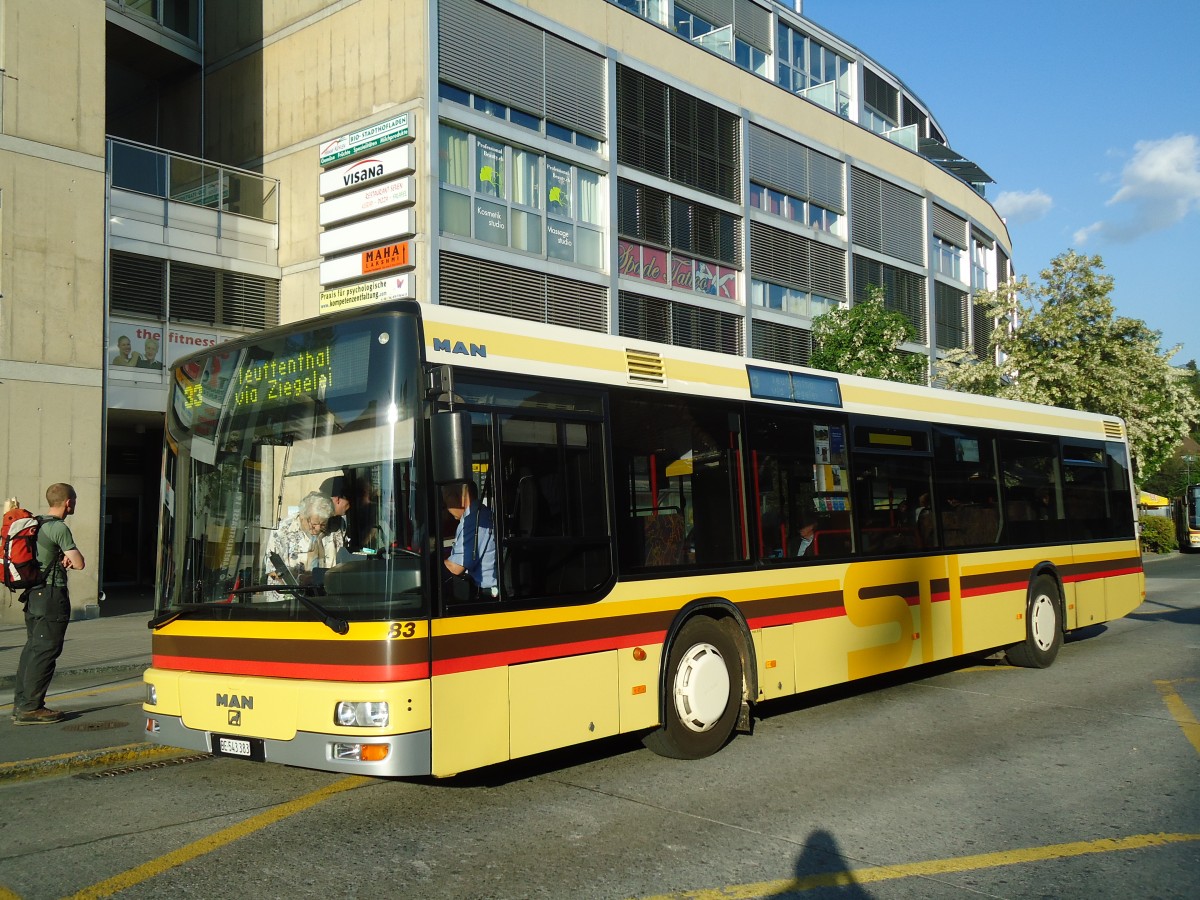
[808, 615]
[312, 671]
[1092, 576]
[990, 589]
[540, 654]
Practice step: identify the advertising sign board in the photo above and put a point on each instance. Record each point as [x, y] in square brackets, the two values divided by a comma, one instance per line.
[367, 170]
[377, 135]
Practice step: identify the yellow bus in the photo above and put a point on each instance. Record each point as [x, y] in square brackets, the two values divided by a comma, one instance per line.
[1187, 518]
[664, 538]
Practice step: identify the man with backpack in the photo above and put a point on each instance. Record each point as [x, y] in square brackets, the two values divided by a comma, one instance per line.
[47, 611]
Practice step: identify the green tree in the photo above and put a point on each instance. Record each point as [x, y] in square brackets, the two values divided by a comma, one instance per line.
[865, 340]
[1060, 342]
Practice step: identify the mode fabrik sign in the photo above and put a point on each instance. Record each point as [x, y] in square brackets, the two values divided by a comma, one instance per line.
[395, 129]
[397, 255]
[394, 287]
[381, 166]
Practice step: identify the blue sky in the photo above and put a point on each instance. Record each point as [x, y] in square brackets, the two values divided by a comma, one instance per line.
[1087, 115]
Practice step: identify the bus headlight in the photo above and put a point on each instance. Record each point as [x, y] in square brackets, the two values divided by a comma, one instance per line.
[151, 695]
[367, 714]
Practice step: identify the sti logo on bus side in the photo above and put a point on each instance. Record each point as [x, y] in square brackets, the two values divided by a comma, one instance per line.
[441, 345]
[235, 701]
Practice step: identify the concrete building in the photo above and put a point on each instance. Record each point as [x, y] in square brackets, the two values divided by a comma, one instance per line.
[710, 173]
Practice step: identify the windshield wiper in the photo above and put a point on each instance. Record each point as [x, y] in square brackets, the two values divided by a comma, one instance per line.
[332, 622]
[173, 614]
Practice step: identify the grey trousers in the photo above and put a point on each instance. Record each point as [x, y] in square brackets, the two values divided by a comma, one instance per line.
[47, 614]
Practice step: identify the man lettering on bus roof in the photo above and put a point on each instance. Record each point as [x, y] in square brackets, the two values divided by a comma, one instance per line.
[474, 551]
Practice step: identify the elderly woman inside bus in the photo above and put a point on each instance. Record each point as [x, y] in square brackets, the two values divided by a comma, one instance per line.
[305, 541]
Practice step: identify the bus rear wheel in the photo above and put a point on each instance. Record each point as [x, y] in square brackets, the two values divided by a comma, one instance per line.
[1043, 627]
[704, 692]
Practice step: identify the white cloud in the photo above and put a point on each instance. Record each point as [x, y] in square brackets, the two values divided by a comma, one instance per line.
[1022, 206]
[1160, 185]
[1081, 236]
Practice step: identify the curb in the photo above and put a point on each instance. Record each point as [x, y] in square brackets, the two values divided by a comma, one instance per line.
[6, 681]
[72, 763]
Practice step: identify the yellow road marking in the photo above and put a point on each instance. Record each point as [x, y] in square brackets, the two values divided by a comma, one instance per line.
[216, 841]
[931, 867]
[6, 894]
[1180, 712]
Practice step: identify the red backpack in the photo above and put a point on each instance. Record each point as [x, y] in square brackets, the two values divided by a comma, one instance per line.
[19, 568]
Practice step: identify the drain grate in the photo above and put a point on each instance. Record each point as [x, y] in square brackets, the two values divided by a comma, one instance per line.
[144, 767]
[96, 726]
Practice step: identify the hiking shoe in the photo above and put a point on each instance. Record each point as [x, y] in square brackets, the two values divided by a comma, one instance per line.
[41, 716]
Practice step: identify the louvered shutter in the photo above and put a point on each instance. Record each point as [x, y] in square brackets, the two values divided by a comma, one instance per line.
[949, 227]
[137, 284]
[491, 54]
[778, 162]
[780, 343]
[866, 210]
[469, 283]
[575, 87]
[826, 181]
[794, 261]
[752, 23]
[193, 293]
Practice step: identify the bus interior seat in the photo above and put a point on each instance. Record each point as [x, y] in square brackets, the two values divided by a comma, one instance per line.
[664, 539]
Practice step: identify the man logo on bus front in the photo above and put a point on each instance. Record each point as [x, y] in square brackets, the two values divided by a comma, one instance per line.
[235, 717]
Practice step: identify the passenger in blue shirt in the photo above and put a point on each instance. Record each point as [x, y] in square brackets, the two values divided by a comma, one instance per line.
[474, 551]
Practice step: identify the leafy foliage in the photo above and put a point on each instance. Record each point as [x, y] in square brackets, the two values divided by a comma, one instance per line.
[1158, 534]
[1061, 343]
[865, 340]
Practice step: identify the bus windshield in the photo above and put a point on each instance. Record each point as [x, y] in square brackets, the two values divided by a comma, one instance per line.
[290, 469]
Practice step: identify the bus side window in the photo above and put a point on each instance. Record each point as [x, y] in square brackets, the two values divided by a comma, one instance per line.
[798, 475]
[891, 496]
[555, 540]
[965, 475]
[1031, 492]
[677, 457]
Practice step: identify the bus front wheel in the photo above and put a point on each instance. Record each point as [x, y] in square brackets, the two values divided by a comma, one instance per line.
[1043, 627]
[704, 692]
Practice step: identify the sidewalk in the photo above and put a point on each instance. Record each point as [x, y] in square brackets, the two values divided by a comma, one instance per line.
[115, 644]
[103, 729]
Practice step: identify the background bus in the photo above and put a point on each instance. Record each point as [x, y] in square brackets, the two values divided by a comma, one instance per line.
[1187, 519]
[648, 503]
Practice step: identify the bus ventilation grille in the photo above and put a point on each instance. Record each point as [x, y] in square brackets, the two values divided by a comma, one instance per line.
[1113, 430]
[645, 368]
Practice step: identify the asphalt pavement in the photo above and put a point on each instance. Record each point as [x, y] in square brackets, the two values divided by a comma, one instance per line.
[103, 654]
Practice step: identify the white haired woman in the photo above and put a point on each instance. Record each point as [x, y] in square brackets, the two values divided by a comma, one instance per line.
[303, 540]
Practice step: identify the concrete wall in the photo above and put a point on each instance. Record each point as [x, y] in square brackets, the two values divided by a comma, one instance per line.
[52, 264]
[315, 70]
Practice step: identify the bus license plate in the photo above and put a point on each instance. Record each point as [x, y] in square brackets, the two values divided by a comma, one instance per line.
[234, 746]
[243, 748]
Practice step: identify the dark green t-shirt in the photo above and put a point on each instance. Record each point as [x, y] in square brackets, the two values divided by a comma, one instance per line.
[54, 539]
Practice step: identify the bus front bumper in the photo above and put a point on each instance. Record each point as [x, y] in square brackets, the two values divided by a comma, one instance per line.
[398, 755]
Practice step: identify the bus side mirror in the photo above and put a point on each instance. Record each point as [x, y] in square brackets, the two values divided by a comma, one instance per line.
[450, 441]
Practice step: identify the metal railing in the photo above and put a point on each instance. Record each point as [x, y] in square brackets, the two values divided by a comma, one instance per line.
[187, 179]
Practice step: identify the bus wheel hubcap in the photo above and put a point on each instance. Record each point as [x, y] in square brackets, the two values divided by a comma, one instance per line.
[701, 687]
[1042, 622]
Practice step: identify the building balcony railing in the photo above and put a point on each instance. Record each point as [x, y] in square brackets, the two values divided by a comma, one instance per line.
[179, 16]
[198, 182]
